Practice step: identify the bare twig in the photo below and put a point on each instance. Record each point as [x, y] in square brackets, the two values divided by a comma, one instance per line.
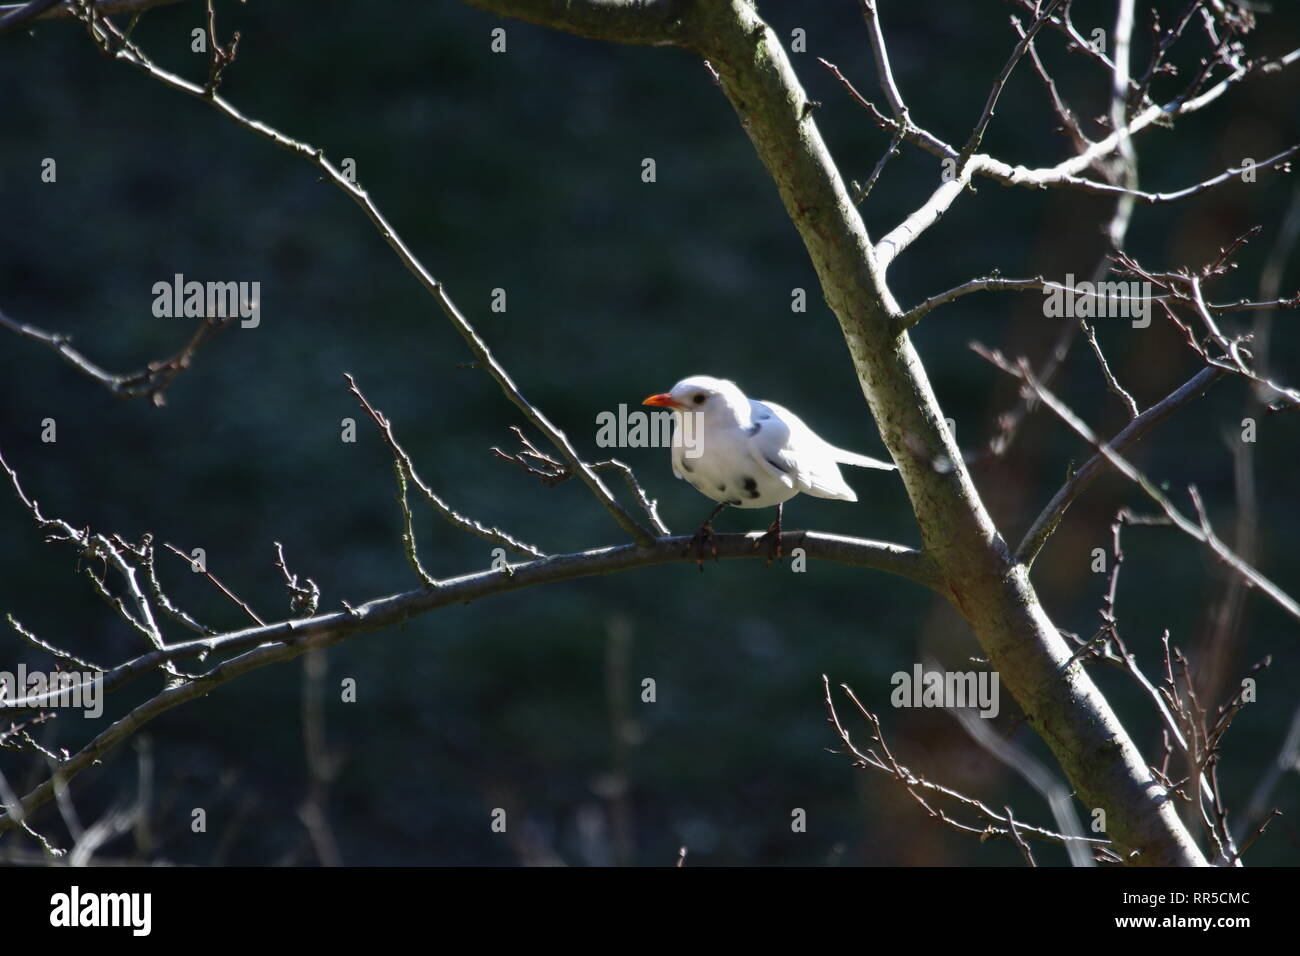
[1158, 65]
[219, 58]
[907, 129]
[990, 105]
[405, 470]
[863, 190]
[881, 53]
[14, 15]
[1021, 843]
[1280, 160]
[151, 381]
[215, 582]
[57, 653]
[112, 551]
[1134, 431]
[1062, 23]
[1112, 383]
[996, 826]
[990, 283]
[1180, 726]
[1068, 120]
[994, 282]
[146, 554]
[551, 473]
[1258, 832]
[650, 505]
[304, 594]
[1186, 287]
[538, 464]
[1059, 797]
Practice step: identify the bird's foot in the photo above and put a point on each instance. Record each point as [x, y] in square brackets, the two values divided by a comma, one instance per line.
[774, 543]
[704, 536]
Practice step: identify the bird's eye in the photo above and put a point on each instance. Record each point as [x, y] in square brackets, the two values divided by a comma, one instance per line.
[699, 398]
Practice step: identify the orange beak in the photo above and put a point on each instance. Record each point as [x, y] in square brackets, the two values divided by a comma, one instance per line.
[664, 399]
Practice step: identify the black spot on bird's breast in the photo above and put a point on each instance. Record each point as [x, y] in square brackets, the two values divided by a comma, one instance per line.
[751, 486]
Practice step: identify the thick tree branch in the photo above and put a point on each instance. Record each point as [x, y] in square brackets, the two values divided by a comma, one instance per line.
[394, 609]
[979, 576]
[285, 640]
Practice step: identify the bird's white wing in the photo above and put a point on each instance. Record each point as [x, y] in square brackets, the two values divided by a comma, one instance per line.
[674, 455]
[678, 448]
[767, 440]
[784, 444]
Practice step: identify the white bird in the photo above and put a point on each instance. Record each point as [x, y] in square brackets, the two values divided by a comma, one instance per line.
[750, 454]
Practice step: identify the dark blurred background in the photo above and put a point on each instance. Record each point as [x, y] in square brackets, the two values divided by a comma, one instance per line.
[522, 171]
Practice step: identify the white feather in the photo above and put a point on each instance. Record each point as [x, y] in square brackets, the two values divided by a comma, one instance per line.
[753, 454]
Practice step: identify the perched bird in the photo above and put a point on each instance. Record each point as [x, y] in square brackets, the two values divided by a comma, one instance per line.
[750, 454]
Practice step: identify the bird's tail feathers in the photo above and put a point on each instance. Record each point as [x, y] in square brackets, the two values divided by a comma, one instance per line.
[841, 493]
[862, 461]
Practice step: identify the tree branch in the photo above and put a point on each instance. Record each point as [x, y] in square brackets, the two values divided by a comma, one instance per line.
[990, 105]
[14, 15]
[288, 639]
[1199, 530]
[152, 380]
[1065, 174]
[884, 761]
[881, 53]
[978, 575]
[1132, 433]
[641, 22]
